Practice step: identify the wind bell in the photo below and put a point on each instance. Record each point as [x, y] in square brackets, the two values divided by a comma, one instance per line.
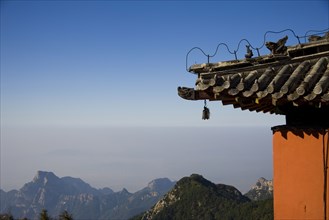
[205, 112]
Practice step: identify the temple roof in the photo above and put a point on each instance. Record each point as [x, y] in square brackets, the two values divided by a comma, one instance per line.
[297, 76]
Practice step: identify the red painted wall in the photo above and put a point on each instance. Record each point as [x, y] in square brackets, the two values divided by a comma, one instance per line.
[298, 162]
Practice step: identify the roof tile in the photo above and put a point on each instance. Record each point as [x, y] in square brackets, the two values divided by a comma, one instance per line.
[267, 83]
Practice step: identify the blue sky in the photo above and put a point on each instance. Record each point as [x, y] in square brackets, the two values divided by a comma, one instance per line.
[90, 65]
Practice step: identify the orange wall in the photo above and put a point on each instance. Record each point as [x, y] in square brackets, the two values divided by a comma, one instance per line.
[298, 176]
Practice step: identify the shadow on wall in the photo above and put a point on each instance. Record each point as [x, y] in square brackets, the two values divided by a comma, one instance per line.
[300, 131]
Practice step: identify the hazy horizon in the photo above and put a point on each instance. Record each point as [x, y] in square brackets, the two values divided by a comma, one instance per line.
[130, 157]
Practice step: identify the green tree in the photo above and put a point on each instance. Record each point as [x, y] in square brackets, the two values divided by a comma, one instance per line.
[65, 216]
[44, 215]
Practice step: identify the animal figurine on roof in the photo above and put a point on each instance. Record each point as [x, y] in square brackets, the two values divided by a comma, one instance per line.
[278, 48]
[249, 53]
[313, 38]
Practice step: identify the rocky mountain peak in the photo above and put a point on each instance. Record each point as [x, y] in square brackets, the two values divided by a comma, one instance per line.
[124, 191]
[261, 190]
[106, 191]
[197, 192]
[263, 184]
[160, 184]
[42, 177]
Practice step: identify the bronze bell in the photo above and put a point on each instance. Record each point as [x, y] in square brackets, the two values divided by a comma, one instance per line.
[205, 113]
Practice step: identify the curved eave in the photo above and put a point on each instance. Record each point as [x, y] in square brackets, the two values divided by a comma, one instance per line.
[270, 88]
[244, 104]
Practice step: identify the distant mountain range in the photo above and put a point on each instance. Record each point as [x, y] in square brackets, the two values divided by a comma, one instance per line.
[47, 191]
